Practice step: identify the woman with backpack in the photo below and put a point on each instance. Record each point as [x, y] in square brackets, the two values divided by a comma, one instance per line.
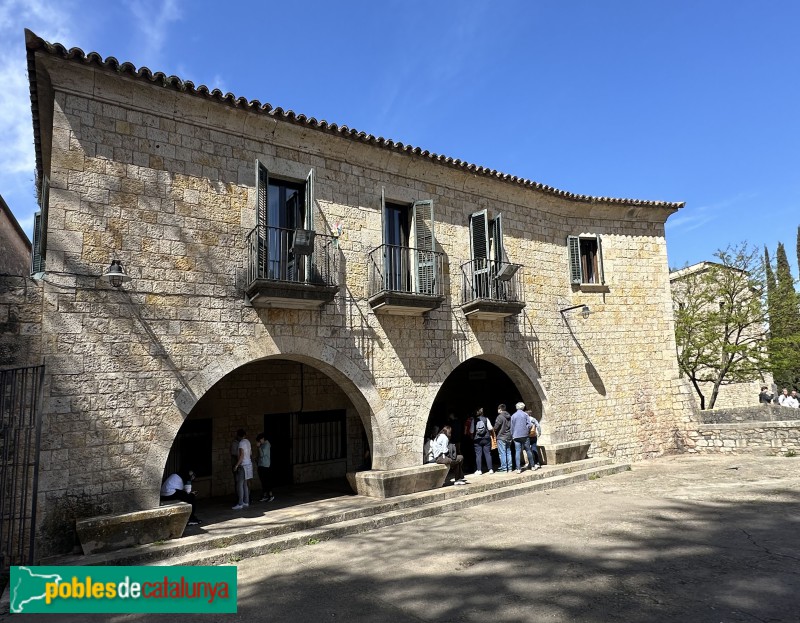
[482, 441]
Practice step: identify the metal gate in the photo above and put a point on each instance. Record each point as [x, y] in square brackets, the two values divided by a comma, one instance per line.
[20, 432]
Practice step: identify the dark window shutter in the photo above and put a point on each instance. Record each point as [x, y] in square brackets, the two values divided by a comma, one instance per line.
[498, 249]
[37, 263]
[262, 184]
[574, 246]
[479, 235]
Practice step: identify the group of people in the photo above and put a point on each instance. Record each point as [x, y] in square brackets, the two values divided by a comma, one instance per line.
[178, 486]
[521, 429]
[784, 399]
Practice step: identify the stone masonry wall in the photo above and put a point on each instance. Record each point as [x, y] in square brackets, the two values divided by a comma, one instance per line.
[165, 182]
[20, 322]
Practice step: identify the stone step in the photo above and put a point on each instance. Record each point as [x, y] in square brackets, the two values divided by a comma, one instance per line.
[273, 536]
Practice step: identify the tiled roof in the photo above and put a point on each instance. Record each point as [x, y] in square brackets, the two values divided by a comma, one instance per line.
[34, 43]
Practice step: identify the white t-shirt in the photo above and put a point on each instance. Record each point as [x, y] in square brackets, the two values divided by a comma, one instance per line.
[171, 485]
[244, 445]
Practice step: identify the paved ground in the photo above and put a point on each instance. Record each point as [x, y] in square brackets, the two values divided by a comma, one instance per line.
[689, 539]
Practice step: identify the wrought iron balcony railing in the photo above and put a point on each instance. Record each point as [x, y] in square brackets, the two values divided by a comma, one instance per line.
[291, 268]
[491, 289]
[293, 255]
[405, 270]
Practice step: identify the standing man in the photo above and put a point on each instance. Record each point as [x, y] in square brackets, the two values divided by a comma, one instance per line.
[520, 431]
[792, 401]
[765, 397]
[502, 428]
[263, 468]
[243, 470]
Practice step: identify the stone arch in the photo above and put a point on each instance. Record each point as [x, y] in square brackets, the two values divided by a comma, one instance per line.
[343, 370]
[519, 369]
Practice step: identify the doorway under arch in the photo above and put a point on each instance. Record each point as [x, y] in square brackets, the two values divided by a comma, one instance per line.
[314, 429]
[476, 383]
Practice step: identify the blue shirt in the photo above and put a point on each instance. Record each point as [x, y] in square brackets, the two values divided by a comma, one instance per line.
[520, 424]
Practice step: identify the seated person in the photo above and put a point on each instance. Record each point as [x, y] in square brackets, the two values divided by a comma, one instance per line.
[173, 489]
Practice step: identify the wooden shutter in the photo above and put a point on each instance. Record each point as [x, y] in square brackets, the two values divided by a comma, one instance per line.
[601, 274]
[479, 235]
[262, 185]
[37, 263]
[309, 224]
[574, 246]
[498, 249]
[422, 228]
[39, 243]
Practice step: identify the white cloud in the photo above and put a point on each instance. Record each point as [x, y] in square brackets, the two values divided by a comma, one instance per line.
[51, 20]
[692, 218]
[152, 22]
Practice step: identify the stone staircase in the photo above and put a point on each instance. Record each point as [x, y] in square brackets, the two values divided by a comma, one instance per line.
[232, 540]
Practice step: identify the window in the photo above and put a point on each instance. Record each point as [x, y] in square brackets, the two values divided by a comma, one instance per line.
[192, 449]
[585, 260]
[409, 246]
[487, 253]
[282, 209]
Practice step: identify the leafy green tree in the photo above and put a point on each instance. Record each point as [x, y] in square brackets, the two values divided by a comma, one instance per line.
[720, 321]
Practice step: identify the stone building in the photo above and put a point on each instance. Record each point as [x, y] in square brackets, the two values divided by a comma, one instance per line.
[337, 290]
[15, 248]
[739, 394]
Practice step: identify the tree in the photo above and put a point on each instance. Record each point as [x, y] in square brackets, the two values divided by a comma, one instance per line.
[784, 321]
[720, 321]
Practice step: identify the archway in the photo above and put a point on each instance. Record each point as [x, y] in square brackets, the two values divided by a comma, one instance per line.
[480, 382]
[314, 429]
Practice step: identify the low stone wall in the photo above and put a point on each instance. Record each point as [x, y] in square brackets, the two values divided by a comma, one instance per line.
[763, 429]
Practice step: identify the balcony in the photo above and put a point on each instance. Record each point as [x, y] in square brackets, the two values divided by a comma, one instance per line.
[291, 268]
[405, 281]
[491, 290]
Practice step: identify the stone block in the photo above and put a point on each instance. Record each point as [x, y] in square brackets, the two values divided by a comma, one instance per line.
[394, 482]
[565, 452]
[112, 532]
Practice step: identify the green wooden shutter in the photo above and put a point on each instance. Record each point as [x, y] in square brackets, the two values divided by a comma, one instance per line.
[574, 246]
[422, 227]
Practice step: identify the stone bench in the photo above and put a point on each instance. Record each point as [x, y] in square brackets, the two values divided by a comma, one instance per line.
[111, 532]
[565, 452]
[392, 482]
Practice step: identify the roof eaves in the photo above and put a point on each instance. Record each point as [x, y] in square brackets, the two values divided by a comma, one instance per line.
[35, 43]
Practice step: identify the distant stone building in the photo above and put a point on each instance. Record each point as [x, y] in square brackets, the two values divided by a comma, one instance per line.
[739, 394]
[15, 248]
[340, 291]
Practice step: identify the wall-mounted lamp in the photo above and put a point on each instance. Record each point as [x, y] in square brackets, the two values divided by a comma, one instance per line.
[585, 311]
[115, 275]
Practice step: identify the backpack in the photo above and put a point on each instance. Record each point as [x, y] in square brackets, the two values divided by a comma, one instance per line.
[480, 427]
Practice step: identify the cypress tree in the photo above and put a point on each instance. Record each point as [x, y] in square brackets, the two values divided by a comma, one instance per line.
[784, 345]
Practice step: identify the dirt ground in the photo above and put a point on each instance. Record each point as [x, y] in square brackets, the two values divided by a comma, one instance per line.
[687, 538]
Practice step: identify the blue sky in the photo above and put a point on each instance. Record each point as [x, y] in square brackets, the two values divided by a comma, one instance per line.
[695, 101]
